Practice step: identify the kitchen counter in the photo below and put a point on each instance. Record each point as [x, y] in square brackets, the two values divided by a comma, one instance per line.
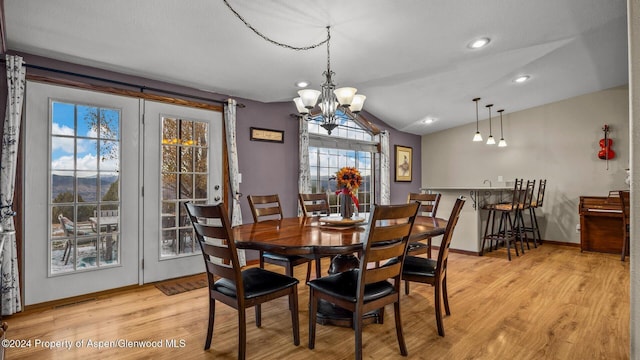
[469, 231]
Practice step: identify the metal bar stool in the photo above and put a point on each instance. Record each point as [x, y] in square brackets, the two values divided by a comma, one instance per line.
[507, 231]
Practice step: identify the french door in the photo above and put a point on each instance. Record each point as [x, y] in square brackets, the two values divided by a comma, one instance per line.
[183, 162]
[81, 192]
[106, 177]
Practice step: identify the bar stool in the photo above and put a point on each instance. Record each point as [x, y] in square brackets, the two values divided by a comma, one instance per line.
[525, 206]
[536, 203]
[507, 231]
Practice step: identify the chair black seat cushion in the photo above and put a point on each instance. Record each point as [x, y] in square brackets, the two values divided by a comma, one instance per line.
[290, 258]
[257, 282]
[344, 286]
[420, 266]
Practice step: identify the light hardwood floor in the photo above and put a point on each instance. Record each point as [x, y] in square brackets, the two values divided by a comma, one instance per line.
[551, 303]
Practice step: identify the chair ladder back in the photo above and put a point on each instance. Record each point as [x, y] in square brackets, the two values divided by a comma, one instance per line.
[265, 207]
[528, 194]
[387, 237]
[387, 233]
[443, 254]
[311, 203]
[381, 273]
[517, 193]
[221, 271]
[428, 203]
[227, 265]
[542, 184]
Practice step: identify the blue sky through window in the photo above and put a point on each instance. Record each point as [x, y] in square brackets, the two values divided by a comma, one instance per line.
[76, 132]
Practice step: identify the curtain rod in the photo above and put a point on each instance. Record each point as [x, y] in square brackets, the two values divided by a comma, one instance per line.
[122, 83]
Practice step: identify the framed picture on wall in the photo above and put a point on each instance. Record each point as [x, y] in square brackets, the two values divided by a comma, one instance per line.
[404, 163]
[259, 134]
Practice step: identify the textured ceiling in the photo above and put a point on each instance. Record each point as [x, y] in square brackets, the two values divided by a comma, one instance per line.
[410, 58]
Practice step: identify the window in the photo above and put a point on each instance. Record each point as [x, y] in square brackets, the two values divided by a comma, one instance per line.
[325, 163]
[84, 187]
[185, 177]
[347, 128]
[348, 145]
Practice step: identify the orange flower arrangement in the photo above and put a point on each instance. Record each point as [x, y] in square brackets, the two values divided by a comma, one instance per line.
[349, 180]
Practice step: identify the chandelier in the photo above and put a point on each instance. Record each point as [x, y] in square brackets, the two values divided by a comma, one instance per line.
[333, 103]
[329, 99]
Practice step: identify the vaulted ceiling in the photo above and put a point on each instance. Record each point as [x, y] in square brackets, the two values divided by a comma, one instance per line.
[410, 58]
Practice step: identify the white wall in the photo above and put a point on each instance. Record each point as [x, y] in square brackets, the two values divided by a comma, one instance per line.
[557, 141]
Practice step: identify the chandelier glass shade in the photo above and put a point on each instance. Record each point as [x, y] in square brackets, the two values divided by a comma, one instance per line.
[329, 99]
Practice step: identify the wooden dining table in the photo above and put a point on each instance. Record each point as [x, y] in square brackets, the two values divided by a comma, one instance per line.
[313, 237]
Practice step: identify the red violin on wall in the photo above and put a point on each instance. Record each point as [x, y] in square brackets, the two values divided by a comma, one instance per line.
[606, 153]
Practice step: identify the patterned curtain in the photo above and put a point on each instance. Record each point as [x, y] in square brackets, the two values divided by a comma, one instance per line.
[11, 302]
[304, 180]
[232, 150]
[385, 177]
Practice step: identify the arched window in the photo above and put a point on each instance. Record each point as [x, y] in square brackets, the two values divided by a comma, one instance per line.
[352, 143]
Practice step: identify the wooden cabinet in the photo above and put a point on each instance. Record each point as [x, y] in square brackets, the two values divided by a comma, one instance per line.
[601, 224]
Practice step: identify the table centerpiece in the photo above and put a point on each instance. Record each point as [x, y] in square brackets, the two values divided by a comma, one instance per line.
[348, 181]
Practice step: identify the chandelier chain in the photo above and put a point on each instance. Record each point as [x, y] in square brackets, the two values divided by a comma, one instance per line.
[276, 42]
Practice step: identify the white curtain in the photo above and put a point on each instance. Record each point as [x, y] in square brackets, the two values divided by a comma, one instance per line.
[232, 150]
[304, 173]
[11, 302]
[385, 177]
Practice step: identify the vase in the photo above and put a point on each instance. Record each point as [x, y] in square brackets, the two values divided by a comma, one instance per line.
[346, 206]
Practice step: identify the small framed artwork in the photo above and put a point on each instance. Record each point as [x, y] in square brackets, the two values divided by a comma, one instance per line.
[258, 134]
[404, 163]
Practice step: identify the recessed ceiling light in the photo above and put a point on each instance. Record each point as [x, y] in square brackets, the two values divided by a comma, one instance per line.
[522, 78]
[302, 84]
[478, 43]
[428, 120]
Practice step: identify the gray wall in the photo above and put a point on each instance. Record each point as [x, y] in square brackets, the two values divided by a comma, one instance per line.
[557, 142]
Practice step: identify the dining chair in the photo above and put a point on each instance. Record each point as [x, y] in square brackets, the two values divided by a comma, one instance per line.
[70, 229]
[507, 230]
[625, 198]
[267, 207]
[314, 204]
[434, 272]
[428, 207]
[367, 288]
[240, 289]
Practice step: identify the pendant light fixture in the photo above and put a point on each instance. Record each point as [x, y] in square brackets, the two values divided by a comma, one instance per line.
[477, 136]
[501, 143]
[490, 140]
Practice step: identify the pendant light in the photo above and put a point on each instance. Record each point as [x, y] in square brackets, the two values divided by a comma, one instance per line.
[501, 143]
[477, 136]
[490, 140]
